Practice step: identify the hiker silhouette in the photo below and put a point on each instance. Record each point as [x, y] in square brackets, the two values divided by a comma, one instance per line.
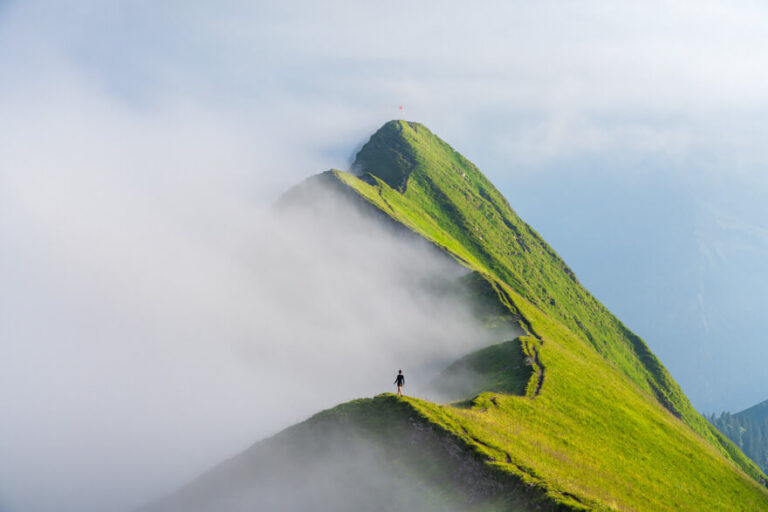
[400, 381]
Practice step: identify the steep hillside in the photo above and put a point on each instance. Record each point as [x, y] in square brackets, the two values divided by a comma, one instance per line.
[502, 368]
[419, 180]
[428, 186]
[575, 414]
[748, 429]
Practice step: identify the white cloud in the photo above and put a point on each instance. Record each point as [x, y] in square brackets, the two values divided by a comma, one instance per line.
[568, 79]
[155, 320]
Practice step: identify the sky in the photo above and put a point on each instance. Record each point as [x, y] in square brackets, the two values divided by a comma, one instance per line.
[142, 142]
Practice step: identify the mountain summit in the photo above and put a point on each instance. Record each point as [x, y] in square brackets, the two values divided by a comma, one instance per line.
[471, 214]
[575, 414]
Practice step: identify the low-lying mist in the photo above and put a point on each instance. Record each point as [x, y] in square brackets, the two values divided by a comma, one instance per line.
[342, 462]
[147, 333]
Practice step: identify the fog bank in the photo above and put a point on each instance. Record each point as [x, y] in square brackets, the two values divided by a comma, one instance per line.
[158, 315]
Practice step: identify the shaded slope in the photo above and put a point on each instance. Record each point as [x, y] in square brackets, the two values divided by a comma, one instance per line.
[379, 454]
[445, 198]
[748, 429]
[503, 368]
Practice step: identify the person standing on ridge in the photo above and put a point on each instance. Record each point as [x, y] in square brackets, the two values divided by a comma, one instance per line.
[399, 381]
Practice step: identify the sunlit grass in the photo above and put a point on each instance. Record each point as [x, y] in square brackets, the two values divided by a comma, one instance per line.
[609, 429]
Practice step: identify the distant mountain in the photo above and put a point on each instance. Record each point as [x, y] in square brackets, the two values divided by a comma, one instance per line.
[748, 429]
[574, 414]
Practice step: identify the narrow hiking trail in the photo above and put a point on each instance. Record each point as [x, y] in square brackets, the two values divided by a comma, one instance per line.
[540, 371]
[532, 353]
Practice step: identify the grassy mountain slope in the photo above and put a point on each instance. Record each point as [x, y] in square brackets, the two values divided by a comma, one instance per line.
[503, 368]
[359, 456]
[591, 439]
[577, 414]
[443, 196]
[748, 429]
[419, 180]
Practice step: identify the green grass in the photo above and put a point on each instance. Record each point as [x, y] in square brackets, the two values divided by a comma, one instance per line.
[591, 435]
[448, 200]
[503, 368]
[443, 473]
[609, 427]
[445, 198]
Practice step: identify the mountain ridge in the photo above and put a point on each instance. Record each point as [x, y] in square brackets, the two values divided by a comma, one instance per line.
[381, 154]
[595, 422]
